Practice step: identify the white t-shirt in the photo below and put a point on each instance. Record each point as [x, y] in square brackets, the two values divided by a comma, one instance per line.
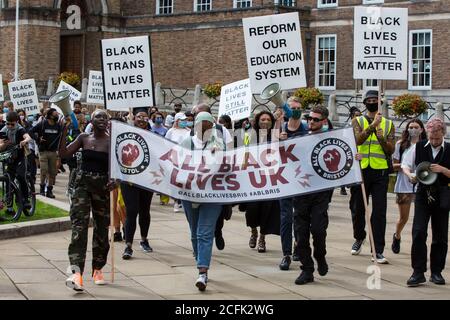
[402, 185]
[177, 135]
[169, 121]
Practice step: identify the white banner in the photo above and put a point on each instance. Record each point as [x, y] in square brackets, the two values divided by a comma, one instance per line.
[74, 93]
[127, 73]
[380, 43]
[261, 172]
[236, 100]
[95, 88]
[274, 51]
[2, 97]
[24, 96]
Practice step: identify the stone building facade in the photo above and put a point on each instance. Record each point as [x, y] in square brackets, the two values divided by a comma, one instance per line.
[201, 41]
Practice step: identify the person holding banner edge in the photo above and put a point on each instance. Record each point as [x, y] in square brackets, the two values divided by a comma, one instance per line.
[311, 215]
[92, 191]
[375, 138]
[294, 127]
[137, 202]
[202, 217]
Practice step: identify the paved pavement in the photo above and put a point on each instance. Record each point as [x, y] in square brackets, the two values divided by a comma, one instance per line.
[35, 267]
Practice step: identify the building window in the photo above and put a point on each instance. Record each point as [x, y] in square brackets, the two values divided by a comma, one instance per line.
[327, 3]
[242, 3]
[164, 6]
[370, 84]
[288, 3]
[326, 62]
[420, 64]
[372, 1]
[202, 5]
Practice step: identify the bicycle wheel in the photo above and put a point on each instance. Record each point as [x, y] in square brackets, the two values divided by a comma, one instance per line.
[31, 198]
[11, 205]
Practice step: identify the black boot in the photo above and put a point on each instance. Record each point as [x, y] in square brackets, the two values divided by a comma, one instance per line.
[42, 191]
[49, 193]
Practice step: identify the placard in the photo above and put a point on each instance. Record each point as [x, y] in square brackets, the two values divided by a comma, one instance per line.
[95, 88]
[380, 43]
[127, 73]
[236, 100]
[24, 96]
[274, 51]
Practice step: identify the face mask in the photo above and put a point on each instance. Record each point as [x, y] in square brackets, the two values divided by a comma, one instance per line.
[22, 118]
[177, 110]
[296, 114]
[87, 117]
[324, 128]
[158, 120]
[413, 132]
[5, 110]
[77, 111]
[247, 126]
[182, 124]
[30, 118]
[372, 107]
[189, 124]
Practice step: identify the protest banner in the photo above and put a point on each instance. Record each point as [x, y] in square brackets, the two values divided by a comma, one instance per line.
[236, 100]
[274, 51]
[2, 97]
[380, 43]
[95, 88]
[261, 172]
[24, 96]
[127, 73]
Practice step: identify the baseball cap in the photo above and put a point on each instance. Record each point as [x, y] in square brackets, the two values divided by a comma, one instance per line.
[180, 116]
[204, 116]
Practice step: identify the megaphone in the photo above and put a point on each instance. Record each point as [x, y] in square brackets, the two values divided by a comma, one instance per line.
[273, 93]
[424, 174]
[62, 100]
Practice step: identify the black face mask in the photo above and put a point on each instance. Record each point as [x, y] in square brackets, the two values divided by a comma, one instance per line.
[372, 107]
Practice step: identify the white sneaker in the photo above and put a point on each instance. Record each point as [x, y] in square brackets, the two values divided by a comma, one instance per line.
[177, 207]
[75, 282]
[201, 281]
[357, 247]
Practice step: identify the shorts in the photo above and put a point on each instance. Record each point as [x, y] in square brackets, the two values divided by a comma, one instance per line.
[405, 198]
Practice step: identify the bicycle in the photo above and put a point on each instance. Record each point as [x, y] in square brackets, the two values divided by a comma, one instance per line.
[11, 197]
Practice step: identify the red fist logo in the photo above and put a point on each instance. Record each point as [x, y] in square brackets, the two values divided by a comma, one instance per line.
[129, 154]
[332, 159]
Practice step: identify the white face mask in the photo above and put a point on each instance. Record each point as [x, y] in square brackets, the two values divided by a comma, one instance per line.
[22, 118]
[414, 132]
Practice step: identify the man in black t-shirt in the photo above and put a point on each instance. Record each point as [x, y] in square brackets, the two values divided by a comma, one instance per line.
[47, 134]
[11, 135]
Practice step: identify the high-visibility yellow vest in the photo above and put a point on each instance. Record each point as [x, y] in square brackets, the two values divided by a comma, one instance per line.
[372, 153]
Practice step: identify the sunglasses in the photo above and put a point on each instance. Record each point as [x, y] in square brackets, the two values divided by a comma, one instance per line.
[308, 118]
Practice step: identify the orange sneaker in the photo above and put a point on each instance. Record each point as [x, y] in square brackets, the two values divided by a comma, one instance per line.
[99, 279]
[75, 282]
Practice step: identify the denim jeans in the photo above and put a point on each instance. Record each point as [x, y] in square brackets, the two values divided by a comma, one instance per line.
[286, 221]
[202, 222]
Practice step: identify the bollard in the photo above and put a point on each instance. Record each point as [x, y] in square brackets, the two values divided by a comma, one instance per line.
[332, 108]
[439, 111]
[49, 87]
[159, 99]
[84, 88]
[197, 93]
[385, 108]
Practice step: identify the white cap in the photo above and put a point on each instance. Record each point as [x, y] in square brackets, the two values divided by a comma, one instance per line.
[180, 116]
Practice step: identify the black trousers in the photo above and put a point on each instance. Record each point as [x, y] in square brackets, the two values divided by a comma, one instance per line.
[439, 228]
[376, 184]
[137, 203]
[311, 217]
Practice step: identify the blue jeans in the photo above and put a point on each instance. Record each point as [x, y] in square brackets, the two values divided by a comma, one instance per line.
[286, 220]
[202, 222]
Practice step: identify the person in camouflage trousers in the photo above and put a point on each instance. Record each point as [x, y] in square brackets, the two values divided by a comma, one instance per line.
[91, 192]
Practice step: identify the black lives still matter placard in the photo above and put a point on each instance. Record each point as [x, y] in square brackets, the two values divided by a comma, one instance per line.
[127, 73]
[380, 43]
[274, 51]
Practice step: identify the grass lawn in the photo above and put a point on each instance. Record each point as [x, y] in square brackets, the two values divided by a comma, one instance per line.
[43, 211]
